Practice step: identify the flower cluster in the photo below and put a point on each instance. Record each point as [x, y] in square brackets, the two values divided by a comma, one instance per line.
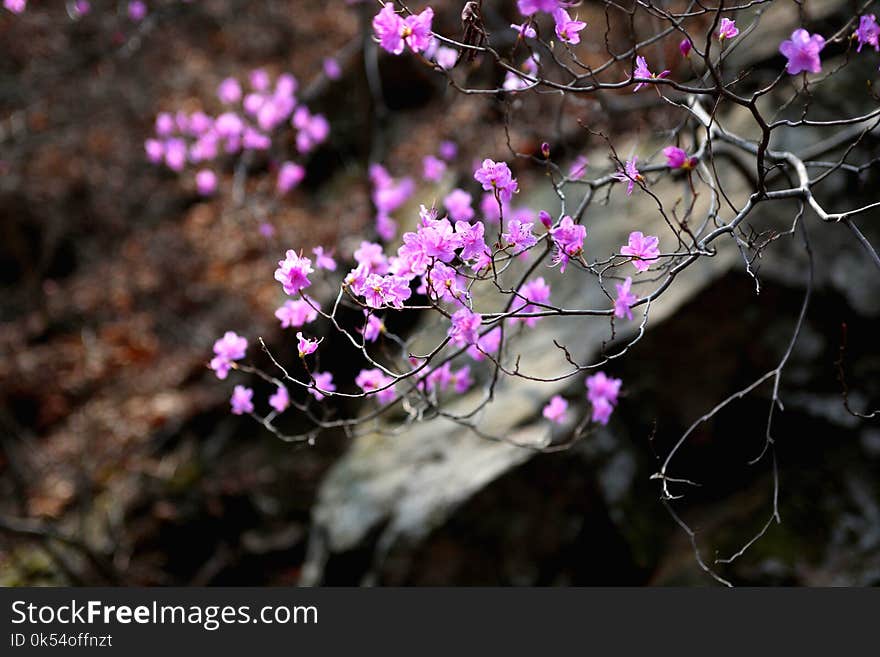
[602, 393]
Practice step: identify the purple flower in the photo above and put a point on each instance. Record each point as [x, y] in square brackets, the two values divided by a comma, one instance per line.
[206, 182]
[555, 409]
[727, 29]
[137, 10]
[293, 272]
[373, 328]
[297, 313]
[525, 30]
[313, 129]
[472, 240]
[332, 69]
[534, 291]
[82, 7]
[685, 47]
[569, 239]
[241, 400]
[465, 327]
[641, 248]
[444, 283]
[519, 235]
[374, 380]
[625, 299]
[438, 240]
[868, 32]
[448, 150]
[323, 260]
[15, 6]
[567, 29]
[529, 7]
[175, 154]
[496, 177]
[323, 382]
[305, 345]
[433, 168]
[229, 91]
[280, 400]
[644, 73]
[458, 204]
[602, 393]
[802, 52]
[578, 167]
[630, 174]
[486, 344]
[677, 158]
[417, 30]
[155, 150]
[259, 79]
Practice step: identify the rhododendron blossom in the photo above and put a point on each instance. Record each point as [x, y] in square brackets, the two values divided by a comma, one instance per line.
[242, 400]
[802, 51]
[868, 32]
[496, 177]
[374, 381]
[519, 235]
[630, 174]
[555, 409]
[323, 383]
[569, 240]
[727, 29]
[297, 313]
[642, 248]
[529, 7]
[231, 347]
[293, 272]
[305, 346]
[458, 204]
[393, 32]
[642, 72]
[625, 299]
[602, 393]
[465, 327]
[280, 400]
[567, 29]
[534, 291]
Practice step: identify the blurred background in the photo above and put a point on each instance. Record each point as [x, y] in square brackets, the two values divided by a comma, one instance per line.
[119, 460]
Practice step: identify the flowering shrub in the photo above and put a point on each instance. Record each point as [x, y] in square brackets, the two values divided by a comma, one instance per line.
[477, 263]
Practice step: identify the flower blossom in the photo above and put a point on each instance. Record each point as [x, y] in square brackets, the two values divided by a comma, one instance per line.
[519, 235]
[569, 239]
[242, 400]
[15, 6]
[374, 381]
[676, 158]
[802, 51]
[602, 393]
[290, 175]
[305, 346]
[727, 29]
[323, 260]
[280, 400]
[433, 168]
[206, 182]
[625, 299]
[393, 32]
[555, 409]
[465, 327]
[534, 291]
[323, 381]
[684, 47]
[643, 72]
[641, 248]
[529, 7]
[630, 174]
[458, 204]
[293, 272]
[868, 32]
[229, 348]
[297, 313]
[525, 31]
[373, 328]
[486, 344]
[496, 177]
[567, 29]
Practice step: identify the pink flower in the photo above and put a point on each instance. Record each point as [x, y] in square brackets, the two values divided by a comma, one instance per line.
[323, 260]
[443, 283]
[323, 382]
[137, 10]
[526, 31]
[374, 380]
[393, 32]
[601, 386]
[555, 410]
[313, 129]
[534, 291]
[496, 177]
[280, 400]
[465, 327]
[229, 348]
[567, 29]
[684, 47]
[630, 174]
[625, 299]
[644, 73]
[373, 328]
[229, 91]
[519, 235]
[569, 239]
[458, 204]
[293, 272]
[372, 256]
[727, 29]
[82, 7]
[677, 158]
[241, 400]
[206, 182]
[296, 313]
[305, 345]
[438, 239]
[471, 238]
[155, 150]
[448, 150]
[332, 69]
[578, 166]
[15, 6]
[417, 30]
[868, 32]
[290, 175]
[802, 52]
[462, 380]
[529, 7]
[486, 344]
[602, 393]
[175, 154]
[390, 290]
[433, 168]
[642, 248]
